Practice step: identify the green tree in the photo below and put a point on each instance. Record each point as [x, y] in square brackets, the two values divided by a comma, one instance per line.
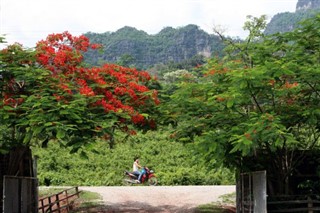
[258, 108]
[48, 95]
[176, 76]
[126, 60]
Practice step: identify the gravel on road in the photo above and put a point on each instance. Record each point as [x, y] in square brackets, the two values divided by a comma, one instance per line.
[158, 198]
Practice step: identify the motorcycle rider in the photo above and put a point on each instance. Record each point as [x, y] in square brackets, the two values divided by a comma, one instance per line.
[136, 166]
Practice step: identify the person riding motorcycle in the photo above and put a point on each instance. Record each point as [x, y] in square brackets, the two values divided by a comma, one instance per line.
[136, 166]
[145, 175]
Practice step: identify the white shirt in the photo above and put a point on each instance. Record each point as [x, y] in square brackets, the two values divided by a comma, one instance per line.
[135, 166]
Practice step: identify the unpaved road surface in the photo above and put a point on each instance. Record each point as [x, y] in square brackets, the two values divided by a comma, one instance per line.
[156, 199]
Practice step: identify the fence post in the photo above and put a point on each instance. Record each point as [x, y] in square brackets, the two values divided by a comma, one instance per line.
[310, 205]
[58, 202]
[68, 207]
[49, 201]
[42, 206]
[77, 191]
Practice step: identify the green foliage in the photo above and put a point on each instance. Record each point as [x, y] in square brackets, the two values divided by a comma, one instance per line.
[173, 163]
[286, 22]
[126, 60]
[258, 104]
[45, 191]
[48, 95]
[90, 196]
[217, 207]
[177, 76]
[18, 76]
[210, 208]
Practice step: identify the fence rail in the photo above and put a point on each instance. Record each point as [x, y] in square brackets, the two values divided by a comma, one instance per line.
[306, 204]
[60, 202]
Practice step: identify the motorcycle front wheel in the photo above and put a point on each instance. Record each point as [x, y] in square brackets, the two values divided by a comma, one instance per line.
[127, 182]
[153, 181]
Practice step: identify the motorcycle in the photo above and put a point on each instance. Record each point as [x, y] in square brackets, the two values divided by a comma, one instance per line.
[148, 177]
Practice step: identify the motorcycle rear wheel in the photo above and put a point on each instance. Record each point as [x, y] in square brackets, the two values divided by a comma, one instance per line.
[153, 181]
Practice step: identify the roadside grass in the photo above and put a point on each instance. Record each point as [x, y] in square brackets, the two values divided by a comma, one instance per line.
[227, 203]
[48, 191]
[87, 202]
[210, 208]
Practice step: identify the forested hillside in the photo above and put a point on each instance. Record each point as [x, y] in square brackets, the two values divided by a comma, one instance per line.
[308, 4]
[131, 47]
[285, 22]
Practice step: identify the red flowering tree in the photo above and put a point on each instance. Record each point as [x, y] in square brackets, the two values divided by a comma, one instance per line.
[49, 94]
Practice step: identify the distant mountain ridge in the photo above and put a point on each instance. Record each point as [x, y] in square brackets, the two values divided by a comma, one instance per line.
[307, 5]
[139, 49]
[131, 47]
[285, 22]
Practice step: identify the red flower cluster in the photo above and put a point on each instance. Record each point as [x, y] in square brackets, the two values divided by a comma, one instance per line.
[12, 89]
[121, 88]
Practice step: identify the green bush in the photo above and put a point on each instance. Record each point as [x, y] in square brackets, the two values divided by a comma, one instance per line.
[173, 163]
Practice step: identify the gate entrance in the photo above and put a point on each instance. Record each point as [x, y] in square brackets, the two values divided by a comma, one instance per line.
[252, 192]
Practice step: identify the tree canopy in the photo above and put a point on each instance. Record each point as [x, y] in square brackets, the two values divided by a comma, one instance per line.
[48, 93]
[258, 107]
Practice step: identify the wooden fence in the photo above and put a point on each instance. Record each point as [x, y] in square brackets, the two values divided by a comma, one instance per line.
[59, 202]
[309, 204]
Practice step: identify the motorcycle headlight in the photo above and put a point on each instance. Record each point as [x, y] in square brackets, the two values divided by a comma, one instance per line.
[151, 171]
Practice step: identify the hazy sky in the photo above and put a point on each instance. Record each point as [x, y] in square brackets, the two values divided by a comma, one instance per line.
[28, 21]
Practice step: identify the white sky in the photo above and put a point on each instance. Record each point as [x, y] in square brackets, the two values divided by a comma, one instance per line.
[28, 21]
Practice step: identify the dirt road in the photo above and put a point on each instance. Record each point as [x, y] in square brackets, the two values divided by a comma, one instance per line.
[168, 199]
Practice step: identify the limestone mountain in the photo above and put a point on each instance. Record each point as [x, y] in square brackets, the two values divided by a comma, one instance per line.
[284, 22]
[307, 4]
[131, 47]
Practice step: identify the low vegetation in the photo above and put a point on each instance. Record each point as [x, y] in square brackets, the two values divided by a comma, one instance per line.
[173, 163]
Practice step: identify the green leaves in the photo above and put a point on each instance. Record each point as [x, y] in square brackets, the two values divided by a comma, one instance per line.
[61, 134]
[263, 98]
[230, 103]
[47, 93]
